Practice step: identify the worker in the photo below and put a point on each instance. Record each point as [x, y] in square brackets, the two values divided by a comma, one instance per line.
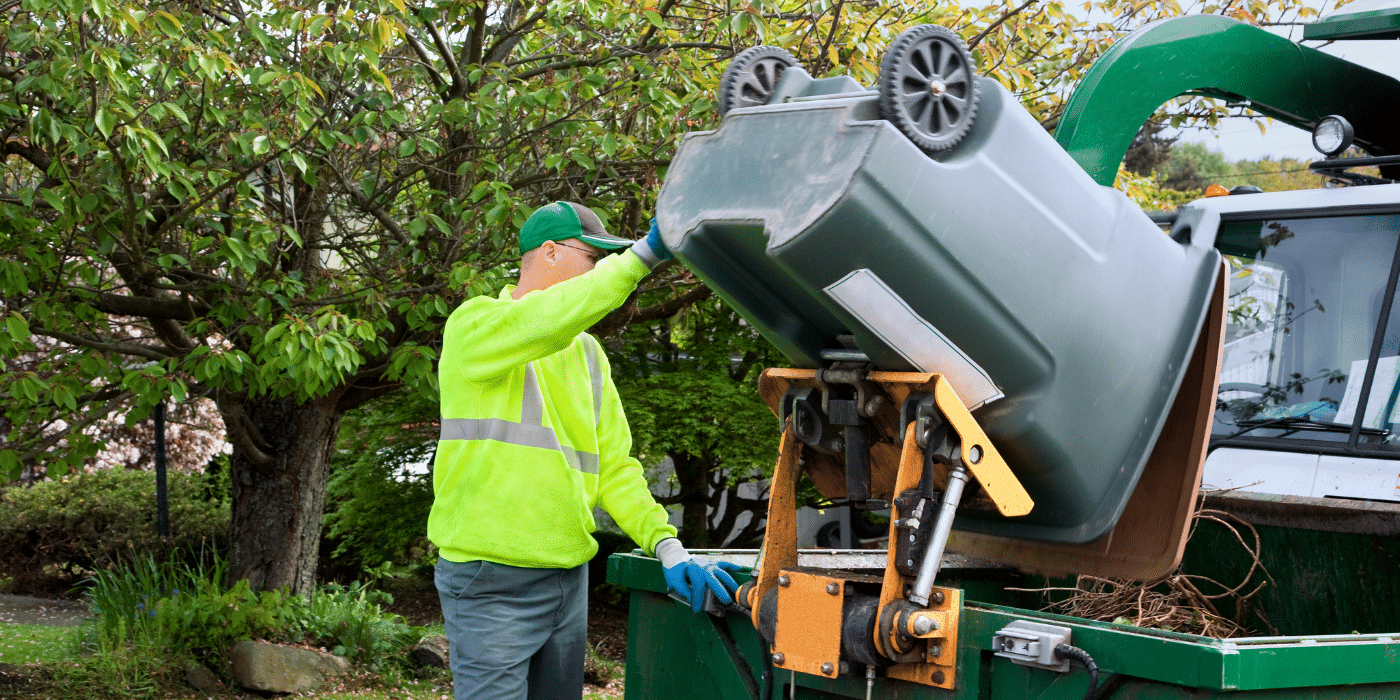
[533, 437]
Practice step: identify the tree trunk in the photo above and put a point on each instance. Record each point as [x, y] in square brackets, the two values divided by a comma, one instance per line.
[278, 508]
[694, 495]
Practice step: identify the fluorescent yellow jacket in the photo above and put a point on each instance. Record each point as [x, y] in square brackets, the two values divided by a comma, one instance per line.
[533, 435]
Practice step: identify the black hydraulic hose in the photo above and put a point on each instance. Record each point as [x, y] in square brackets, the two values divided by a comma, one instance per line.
[1073, 653]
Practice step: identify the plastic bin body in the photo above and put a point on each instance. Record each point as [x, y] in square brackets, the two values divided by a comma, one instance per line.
[1052, 303]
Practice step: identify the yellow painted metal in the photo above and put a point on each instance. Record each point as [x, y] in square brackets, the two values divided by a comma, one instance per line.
[939, 618]
[809, 623]
[780, 542]
[988, 468]
[938, 670]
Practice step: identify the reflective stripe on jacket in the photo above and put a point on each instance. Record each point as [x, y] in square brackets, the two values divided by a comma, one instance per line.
[533, 434]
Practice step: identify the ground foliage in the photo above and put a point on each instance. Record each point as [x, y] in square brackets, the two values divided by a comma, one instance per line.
[154, 613]
[275, 208]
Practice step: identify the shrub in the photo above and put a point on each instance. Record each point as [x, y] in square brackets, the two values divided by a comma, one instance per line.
[94, 521]
[376, 510]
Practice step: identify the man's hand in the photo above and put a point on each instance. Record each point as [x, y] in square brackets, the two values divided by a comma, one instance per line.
[652, 250]
[691, 576]
[657, 245]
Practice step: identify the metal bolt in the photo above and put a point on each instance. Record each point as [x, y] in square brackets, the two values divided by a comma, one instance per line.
[937, 87]
[826, 668]
[937, 597]
[938, 677]
[974, 454]
[923, 624]
[908, 562]
[844, 667]
[873, 405]
[784, 581]
[935, 650]
[833, 588]
[778, 658]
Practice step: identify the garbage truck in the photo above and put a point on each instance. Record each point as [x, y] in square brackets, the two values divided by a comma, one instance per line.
[1037, 380]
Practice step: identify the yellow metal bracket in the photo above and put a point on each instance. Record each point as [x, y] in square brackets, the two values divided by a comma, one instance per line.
[980, 455]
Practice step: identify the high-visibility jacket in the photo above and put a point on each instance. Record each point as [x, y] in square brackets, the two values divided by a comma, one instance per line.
[533, 435]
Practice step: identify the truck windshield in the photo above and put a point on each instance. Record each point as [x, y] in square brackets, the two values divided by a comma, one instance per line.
[1305, 299]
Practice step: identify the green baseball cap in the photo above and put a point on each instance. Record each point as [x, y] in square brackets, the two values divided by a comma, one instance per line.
[560, 221]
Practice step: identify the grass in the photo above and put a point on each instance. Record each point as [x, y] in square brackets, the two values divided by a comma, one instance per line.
[30, 644]
[47, 654]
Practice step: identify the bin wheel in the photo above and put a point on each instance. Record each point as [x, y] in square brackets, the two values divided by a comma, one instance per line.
[749, 79]
[928, 88]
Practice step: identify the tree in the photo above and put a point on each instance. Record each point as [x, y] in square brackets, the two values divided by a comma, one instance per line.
[276, 208]
[1150, 150]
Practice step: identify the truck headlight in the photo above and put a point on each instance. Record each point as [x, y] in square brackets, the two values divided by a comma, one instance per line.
[1332, 135]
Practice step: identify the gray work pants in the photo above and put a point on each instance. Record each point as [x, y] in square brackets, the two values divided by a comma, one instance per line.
[515, 633]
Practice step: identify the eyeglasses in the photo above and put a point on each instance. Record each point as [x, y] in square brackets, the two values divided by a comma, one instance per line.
[595, 257]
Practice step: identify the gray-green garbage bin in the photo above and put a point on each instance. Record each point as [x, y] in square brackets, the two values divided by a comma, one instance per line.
[1055, 306]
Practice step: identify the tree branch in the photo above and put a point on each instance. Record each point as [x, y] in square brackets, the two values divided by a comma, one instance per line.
[459, 82]
[145, 307]
[992, 27]
[427, 60]
[240, 434]
[629, 313]
[146, 351]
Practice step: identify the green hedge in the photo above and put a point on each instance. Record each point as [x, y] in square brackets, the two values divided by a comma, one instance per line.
[57, 531]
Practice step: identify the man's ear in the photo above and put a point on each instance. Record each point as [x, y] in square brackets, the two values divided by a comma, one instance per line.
[549, 252]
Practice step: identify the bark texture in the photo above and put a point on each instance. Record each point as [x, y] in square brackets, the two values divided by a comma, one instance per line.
[278, 506]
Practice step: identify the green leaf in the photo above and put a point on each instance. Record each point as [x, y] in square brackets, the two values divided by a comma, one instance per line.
[53, 198]
[105, 122]
[18, 327]
[169, 24]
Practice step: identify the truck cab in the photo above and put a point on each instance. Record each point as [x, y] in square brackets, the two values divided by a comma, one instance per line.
[1311, 358]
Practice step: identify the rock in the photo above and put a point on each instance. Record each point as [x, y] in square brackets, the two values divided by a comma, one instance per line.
[199, 677]
[269, 668]
[432, 651]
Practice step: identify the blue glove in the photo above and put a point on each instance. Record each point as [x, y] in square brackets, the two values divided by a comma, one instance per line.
[691, 576]
[651, 249]
[657, 246]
